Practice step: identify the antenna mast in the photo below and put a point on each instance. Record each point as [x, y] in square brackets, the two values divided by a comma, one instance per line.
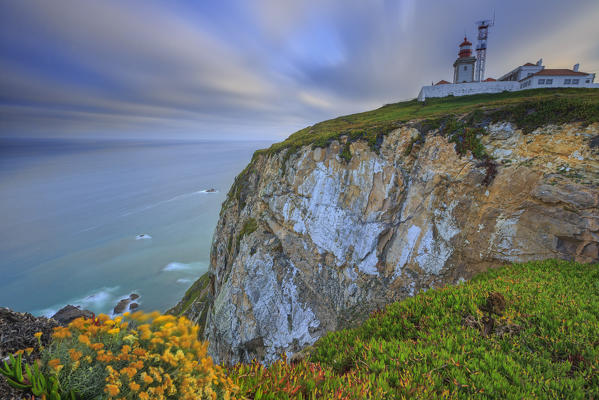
[481, 47]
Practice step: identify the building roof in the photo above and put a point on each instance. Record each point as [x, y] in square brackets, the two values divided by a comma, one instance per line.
[560, 72]
[490, 80]
[465, 42]
[529, 65]
[442, 82]
[556, 72]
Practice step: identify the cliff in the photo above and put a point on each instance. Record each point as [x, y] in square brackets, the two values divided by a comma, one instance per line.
[354, 213]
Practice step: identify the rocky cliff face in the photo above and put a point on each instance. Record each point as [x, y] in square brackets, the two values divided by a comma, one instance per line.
[312, 242]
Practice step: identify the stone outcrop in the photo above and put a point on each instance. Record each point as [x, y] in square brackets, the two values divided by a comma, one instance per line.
[331, 240]
[69, 313]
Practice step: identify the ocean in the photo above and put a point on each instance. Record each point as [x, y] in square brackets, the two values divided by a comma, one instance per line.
[88, 223]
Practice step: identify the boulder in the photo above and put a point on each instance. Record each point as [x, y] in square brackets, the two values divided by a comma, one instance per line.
[69, 313]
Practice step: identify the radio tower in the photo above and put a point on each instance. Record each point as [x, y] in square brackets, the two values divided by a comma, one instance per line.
[481, 47]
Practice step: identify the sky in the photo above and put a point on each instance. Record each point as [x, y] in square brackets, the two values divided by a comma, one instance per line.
[253, 69]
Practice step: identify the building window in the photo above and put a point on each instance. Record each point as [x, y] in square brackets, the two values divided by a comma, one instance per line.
[541, 81]
[575, 81]
[567, 81]
[465, 68]
[548, 81]
[588, 81]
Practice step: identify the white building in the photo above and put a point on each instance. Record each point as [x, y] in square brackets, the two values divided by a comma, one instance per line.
[527, 76]
[547, 78]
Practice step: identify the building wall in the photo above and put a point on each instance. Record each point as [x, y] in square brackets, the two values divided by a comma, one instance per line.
[463, 70]
[521, 72]
[465, 89]
[557, 81]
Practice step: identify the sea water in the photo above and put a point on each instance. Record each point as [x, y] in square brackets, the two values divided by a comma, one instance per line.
[88, 223]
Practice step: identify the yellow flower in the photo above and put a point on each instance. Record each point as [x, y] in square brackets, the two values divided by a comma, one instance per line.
[61, 333]
[75, 355]
[144, 396]
[146, 378]
[79, 323]
[38, 335]
[112, 390]
[55, 364]
[103, 318]
[133, 386]
[18, 352]
[113, 331]
[29, 350]
[97, 346]
[84, 339]
[129, 338]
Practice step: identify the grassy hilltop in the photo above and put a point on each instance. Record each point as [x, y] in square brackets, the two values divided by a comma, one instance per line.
[549, 106]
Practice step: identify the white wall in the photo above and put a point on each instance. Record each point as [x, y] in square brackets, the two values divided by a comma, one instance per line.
[558, 81]
[464, 75]
[465, 89]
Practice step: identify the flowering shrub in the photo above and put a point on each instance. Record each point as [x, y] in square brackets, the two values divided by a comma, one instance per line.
[141, 356]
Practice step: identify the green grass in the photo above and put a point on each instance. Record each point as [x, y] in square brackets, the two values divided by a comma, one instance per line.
[371, 125]
[544, 345]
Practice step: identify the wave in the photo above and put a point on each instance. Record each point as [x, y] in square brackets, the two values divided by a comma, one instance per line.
[178, 197]
[176, 266]
[98, 300]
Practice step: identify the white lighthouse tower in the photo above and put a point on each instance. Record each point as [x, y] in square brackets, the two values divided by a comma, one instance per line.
[463, 67]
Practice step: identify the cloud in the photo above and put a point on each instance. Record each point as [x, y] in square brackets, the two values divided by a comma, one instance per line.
[238, 69]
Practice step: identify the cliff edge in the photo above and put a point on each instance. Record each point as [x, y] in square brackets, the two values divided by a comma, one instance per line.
[357, 212]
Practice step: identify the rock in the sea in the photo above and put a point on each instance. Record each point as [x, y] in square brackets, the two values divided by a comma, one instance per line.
[69, 313]
[121, 306]
[211, 190]
[310, 242]
[133, 306]
[134, 296]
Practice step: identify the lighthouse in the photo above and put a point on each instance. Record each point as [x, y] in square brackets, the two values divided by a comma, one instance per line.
[463, 67]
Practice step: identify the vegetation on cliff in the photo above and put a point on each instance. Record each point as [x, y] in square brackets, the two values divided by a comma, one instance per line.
[141, 356]
[520, 331]
[527, 109]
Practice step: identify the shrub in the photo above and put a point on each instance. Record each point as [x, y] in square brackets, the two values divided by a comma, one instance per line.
[141, 356]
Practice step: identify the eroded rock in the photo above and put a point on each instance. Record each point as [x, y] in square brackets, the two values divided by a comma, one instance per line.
[68, 313]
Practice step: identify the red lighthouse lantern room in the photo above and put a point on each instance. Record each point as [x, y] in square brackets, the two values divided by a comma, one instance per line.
[465, 49]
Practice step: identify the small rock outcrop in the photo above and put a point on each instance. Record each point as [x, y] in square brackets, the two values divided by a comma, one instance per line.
[315, 240]
[68, 313]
